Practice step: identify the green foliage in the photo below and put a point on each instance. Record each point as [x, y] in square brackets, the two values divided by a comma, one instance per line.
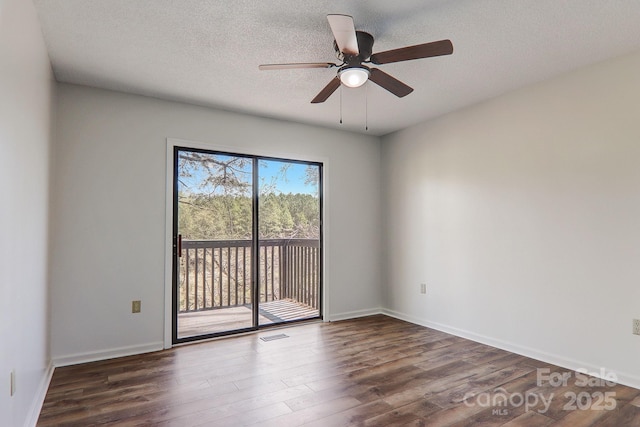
[228, 217]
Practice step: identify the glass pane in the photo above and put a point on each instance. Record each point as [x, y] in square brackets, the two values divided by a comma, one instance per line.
[289, 233]
[215, 221]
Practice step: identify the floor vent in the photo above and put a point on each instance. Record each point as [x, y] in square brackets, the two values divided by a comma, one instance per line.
[274, 337]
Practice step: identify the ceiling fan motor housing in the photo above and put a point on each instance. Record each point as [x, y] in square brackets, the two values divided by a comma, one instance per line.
[365, 47]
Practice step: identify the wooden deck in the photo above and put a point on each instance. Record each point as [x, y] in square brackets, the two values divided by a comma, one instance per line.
[234, 318]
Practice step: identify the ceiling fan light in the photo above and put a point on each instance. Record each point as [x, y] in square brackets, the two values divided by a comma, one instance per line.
[354, 76]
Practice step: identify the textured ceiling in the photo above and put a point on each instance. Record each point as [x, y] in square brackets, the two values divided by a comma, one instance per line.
[208, 52]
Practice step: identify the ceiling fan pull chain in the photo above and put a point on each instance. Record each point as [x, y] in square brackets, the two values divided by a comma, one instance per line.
[366, 108]
[340, 104]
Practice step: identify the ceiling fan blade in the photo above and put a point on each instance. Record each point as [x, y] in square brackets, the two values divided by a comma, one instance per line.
[425, 50]
[389, 83]
[344, 31]
[297, 65]
[327, 91]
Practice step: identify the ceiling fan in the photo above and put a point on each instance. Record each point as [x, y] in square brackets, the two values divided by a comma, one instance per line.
[354, 49]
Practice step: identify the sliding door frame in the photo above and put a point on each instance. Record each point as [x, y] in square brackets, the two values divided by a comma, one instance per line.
[174, 144]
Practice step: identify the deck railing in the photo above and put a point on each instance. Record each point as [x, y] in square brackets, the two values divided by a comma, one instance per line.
[217, 273]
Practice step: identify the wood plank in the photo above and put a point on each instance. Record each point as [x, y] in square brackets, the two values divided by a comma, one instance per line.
[376, 371]
[235, 318]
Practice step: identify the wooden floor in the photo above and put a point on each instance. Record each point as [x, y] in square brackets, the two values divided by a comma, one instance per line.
[374, 371]
[234, 318]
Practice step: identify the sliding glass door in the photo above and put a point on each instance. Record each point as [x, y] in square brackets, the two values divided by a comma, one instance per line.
[289, 236]
[214, 235]
[247, 238]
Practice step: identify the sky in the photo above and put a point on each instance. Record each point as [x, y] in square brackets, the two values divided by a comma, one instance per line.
[281, 176]
[291, 180]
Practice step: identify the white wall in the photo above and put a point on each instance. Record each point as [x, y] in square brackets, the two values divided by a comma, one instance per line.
[26, 95]
[108, 222]
[522, 215]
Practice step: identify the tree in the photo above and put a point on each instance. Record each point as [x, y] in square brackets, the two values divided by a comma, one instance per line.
[215, 200]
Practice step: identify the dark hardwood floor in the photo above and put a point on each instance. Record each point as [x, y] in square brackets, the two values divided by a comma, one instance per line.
[373, 371]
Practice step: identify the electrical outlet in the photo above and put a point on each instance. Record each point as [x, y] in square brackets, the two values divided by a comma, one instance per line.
[12, 380]
[636, 326]
[135, 306]
[423, 288]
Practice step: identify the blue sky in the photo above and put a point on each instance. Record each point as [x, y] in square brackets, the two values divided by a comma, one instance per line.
[289, 181]
[279, 176]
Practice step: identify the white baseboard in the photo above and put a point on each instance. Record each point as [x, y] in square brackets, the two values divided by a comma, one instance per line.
[93, 356]
[38, 400]
[555, 359]
[354, 314]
